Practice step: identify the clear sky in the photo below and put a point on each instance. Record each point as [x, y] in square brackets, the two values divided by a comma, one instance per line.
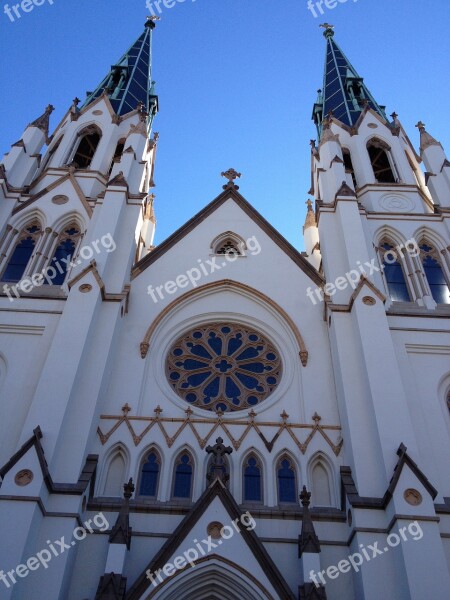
[236, 81]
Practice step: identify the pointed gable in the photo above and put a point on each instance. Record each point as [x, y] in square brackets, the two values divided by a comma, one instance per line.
[233, 194]
[243, 549]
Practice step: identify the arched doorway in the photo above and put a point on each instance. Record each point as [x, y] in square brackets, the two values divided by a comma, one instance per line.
[214, 579]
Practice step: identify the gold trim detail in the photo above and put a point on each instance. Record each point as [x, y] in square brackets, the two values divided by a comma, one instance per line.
[226, 283]
[219, 422]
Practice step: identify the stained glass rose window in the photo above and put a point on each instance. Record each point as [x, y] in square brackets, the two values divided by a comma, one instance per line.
[223, 367]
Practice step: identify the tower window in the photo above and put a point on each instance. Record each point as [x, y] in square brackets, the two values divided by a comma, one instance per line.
[64, 253]
[117, 155]
[252, 480]
[86, 149]
[150, 476]
[182, 487]
[434, 273]
[348, 165]
[394, 274]
[381, 164]
[22, 253]
[287, 488]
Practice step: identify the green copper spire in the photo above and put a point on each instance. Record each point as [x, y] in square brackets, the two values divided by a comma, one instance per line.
[344, 93]
[129, 84]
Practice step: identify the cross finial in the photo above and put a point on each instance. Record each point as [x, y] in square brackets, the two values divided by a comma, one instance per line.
[309, 205]
[231, 175]
[329, 29]
[284, 416]
[126, 409]
[218, 452]
[151, 21]
[158, 410]
[316, 418]
[421, 126]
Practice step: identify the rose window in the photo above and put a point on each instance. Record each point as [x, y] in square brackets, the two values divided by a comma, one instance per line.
[223, 367]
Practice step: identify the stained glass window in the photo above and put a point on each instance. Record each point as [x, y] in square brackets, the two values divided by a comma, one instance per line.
[286, 481]
[393, 272]
[64, 253]
[183, 477]
[434, 273]
[252, 480]
[150, 476]
[22, 253]
[223, 367]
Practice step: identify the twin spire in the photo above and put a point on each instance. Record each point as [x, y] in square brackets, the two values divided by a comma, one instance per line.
[129, 83]
[344, 92]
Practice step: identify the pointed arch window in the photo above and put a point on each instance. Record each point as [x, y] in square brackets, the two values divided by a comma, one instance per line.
[115, 476]
[65, 251]
[117, 155]
[434, 273]
[393, 273]
[321, 490]
[287, 484]
[348, 165]
[51, 153]
[252, 480]
[22, 253]
[87, 146]
[150, 475]
[182, 485]
[380, 159]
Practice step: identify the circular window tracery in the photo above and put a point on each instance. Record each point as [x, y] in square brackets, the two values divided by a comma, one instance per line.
[223, 367]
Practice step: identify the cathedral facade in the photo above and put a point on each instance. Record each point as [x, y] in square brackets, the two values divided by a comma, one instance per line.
[220, 416]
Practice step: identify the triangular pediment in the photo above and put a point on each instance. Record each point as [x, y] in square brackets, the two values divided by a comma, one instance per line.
[228, 194]
[238, 551]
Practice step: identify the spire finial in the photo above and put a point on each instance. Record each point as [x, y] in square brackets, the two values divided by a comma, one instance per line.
[426, 139]
[329, 30]
[151, 21]
[43, 121]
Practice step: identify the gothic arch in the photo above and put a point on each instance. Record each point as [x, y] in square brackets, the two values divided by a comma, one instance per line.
[175, 462]
[88, 129]
[68, 218]
[115, 471]
[424, 232]
[252, 452]
[19, 221]
[152, 448]
[214, 578]
[225, 283]
[285, 454]
[229, 236]
[321, 480]
[386, 231]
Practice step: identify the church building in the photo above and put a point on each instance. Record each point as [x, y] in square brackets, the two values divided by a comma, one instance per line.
[220, 416]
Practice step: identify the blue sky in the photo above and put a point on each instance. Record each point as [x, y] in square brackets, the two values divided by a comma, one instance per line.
[236, 81]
